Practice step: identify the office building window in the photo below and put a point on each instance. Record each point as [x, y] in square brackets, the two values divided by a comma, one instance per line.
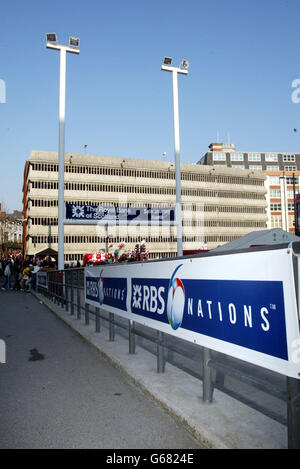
[254, 157]
[219, 156]
[271, 157]
[291, 220]
[275, 193]
[290, 168]
[290, 193]
[275, 207]
[274, 180]
[237, 157]
[276, 221]
[291, 182]
[238, 166]
[272, 168]
[257, 167]
[287, 158]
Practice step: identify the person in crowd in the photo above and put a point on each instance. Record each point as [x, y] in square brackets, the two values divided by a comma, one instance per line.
[25, 279]
[7, 275]
[18, 276]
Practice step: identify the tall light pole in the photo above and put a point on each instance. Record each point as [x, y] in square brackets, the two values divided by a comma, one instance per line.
[167, 66]
[73, 48]
[284, 208]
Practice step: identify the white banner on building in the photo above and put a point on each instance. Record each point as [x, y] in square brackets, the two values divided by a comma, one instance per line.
[243, 304]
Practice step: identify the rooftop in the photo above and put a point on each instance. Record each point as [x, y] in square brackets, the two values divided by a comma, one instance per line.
[137, 163]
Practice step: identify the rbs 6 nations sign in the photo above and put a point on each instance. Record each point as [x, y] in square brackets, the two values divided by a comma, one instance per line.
[242, 304]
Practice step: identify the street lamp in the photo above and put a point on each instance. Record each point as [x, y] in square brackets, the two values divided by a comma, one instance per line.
[73, 48]
[167, 66]
[284, 209]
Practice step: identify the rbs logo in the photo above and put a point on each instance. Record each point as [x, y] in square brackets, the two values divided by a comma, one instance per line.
[149, 296]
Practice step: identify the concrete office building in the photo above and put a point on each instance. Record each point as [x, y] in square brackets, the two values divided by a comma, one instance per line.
[282, 172]
[219, 204]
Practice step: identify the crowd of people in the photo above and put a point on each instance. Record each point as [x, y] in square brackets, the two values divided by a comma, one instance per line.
[16, 273]
[138, 254]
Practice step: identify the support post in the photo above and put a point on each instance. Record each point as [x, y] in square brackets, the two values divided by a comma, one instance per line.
[72, 293]
[207, 376]
[111, 327]
[61, 157]
[177, 163]
[97, 319]
[87, 313]
[67, 291]
[78, 298]
[131, 337]
[160, 352]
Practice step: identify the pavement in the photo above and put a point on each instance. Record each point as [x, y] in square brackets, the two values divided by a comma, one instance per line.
[225, 423]
[57, 391]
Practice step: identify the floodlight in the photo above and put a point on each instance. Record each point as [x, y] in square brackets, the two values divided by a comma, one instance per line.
[74, 41]
[51, 37]
[167, 60]
[185, 64]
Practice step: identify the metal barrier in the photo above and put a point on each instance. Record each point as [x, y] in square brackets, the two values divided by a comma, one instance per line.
[66, 289]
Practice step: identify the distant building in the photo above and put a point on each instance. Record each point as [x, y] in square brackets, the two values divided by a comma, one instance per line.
[282, 172]
[11, 228]
[219, 204]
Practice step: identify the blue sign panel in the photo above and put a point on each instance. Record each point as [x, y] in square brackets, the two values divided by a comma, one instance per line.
[246, 313]
[115, 214]
[107, 291]
[149, 298]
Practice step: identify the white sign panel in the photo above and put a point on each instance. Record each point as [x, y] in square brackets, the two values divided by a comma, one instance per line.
[242, 304]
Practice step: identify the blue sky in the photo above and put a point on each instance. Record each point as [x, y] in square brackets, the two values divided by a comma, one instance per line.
[243, 57]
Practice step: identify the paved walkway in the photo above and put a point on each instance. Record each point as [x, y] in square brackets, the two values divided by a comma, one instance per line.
[57, 391]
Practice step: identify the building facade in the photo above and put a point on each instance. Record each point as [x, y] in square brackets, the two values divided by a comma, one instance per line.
[11, 230]
[218, 204]
[282, 172]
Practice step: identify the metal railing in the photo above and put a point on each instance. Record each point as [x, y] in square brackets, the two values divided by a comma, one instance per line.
[66, 289]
